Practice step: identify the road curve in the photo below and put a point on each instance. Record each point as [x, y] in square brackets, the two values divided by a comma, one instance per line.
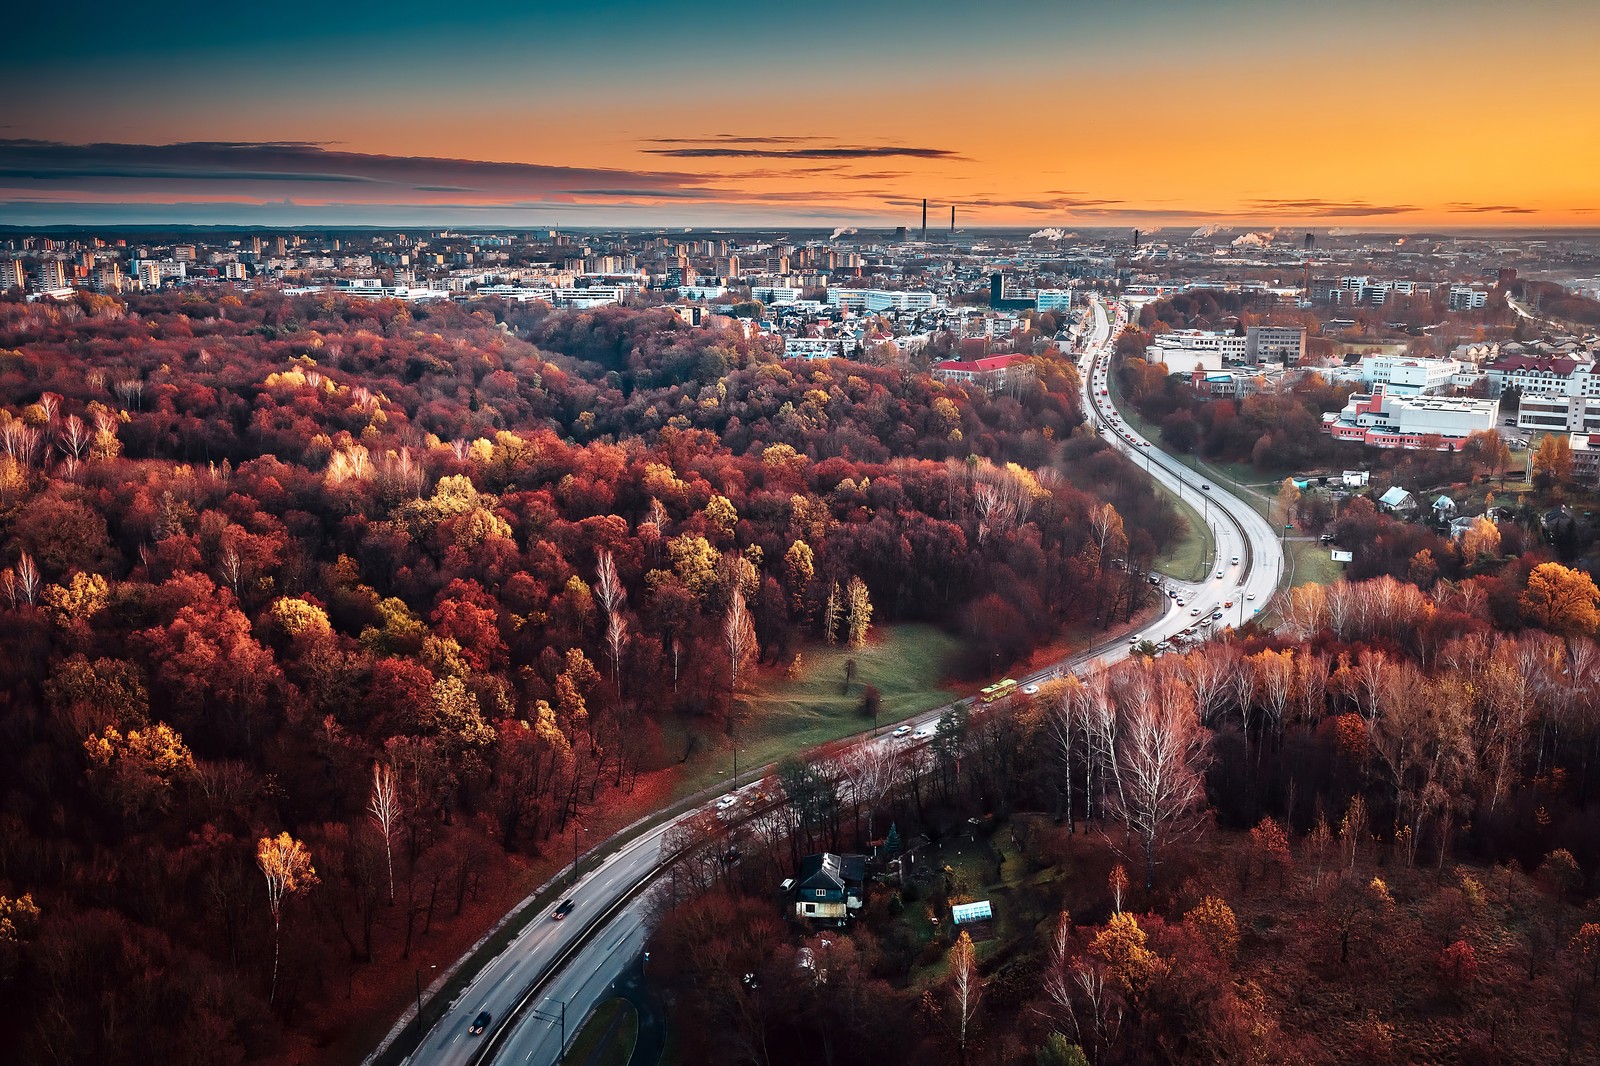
[575, 962]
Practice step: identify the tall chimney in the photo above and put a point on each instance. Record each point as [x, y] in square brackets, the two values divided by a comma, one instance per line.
[952, 220]
[924, 219]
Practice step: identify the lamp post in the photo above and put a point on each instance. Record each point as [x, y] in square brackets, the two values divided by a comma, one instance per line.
[417, 976]
[561, 1019]
[576, 829]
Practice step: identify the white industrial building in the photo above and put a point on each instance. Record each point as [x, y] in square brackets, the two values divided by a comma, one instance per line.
[1408, 377]
[1387, 421]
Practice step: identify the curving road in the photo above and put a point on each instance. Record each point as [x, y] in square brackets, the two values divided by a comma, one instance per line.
[551, 965]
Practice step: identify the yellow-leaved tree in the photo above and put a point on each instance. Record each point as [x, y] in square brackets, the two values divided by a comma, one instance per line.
[286, 864]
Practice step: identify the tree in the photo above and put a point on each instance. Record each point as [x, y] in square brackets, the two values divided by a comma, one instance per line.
[1561, 600]
[739, 636]
[832, 610]
[1214, 920]
[286, 864]
[1481, 540]
[384, 807]
[858, 613]
[1159, 767]
[1553, 458]
[966, 989]
[1121, 945]
[1288, 496]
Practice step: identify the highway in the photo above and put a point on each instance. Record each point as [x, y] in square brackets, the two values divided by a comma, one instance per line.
[534, 976]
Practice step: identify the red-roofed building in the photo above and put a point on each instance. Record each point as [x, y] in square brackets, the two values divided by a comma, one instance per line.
[1534, 375]
[994, 373]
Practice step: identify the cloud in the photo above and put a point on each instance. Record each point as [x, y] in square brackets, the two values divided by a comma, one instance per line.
[1488, 209]
[1328, 208]
[272, 169]
[727, 150]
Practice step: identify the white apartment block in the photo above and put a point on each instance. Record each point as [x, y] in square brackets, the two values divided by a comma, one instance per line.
[1052, 300]
[1409, 377]
[1275, 344]
[1542, 376]
[1467, 298]
[775, 294]
[883, 299]
[13, 275]
[1559, 414]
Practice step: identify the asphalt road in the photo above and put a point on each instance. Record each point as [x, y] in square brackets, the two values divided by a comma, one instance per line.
[587, 978]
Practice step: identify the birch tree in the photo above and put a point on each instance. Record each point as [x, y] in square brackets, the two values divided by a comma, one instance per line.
[286, 864]
[384, 807]
[1159, 769]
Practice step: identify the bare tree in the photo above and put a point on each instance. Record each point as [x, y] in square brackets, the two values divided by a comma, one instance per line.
[1161, 757]
[613, 598]
[384, 807]
[739, 635]
[74, 437]
[28, 579]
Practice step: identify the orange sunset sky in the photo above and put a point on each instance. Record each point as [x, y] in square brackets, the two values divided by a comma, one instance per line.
[1394, 115]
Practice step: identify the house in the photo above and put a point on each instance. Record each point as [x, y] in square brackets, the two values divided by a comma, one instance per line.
[1397, 501]
[1444, 509]
[830, 887]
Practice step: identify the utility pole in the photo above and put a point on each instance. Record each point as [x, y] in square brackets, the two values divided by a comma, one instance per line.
[561, 1019]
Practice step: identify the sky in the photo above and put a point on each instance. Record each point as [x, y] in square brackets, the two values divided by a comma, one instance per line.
[1354, 113]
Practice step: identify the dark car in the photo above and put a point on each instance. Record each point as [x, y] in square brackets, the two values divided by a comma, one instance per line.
[564, 910]
[480, 1023]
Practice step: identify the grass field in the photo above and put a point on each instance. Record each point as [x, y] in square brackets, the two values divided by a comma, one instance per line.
[782, 715]
[1190, 557]
[1312, 564]
[607, 1038]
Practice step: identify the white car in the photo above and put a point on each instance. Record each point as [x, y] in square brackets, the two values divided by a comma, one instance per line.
[903, 731]
[1250, 596]
[1235, 560]
[1030, 690]
[1194, 610]
[1136, 638]
[923, 734]
[1219, 575]
[726, 802]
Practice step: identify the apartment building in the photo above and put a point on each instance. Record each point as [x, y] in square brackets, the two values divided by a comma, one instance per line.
[883, 299]
[1275, 344]
[1559, 414]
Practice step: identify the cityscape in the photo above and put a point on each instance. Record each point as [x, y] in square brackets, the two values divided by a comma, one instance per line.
[654, 534]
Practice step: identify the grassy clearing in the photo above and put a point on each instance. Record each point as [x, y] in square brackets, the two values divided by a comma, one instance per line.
[1190, 557]
[786, 715]
[1312, 564]
[607, 1038]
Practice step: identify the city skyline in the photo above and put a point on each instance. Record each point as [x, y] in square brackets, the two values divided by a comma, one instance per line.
[632, 114]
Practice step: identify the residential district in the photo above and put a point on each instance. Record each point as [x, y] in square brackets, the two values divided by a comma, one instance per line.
[1436, 338]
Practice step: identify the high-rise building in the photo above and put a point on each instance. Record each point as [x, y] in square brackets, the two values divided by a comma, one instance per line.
[12, 275]
[149, 274]
[107, 277]
[51, 274]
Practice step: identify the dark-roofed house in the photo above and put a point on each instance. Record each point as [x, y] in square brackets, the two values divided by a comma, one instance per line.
[830, 886]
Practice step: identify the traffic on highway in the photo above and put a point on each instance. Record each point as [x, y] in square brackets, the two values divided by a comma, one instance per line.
[537, 991]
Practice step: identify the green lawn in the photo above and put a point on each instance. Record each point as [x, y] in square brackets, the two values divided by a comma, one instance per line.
[1190, 557]
[1312, 564]
[781, 716]
[607, 1038]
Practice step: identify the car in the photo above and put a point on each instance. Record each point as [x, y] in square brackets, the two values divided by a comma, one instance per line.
[1136, 638]
[1227, 603]
[565, 909]
[1164, 645]
[1216, 616]
[1235, 560]
[480, 1023]
[1030, 690]
[903, 731]
[1179, 601]
[1204, 487]
[1326, 538]
[1194, 610]
[1205, 622]
[1250, 596]
[923, 734]
[1219, 575]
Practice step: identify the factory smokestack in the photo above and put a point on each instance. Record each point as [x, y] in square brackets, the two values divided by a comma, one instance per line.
[952, 220]
[924, 220]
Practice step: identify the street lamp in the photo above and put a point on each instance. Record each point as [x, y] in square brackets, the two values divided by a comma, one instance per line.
[560, 1019]
[417, 976]
[576, 829]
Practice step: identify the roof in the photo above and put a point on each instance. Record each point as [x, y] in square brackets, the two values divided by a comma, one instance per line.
[1396, 495]
[1444, 501]
[835, 871]
[979, 366]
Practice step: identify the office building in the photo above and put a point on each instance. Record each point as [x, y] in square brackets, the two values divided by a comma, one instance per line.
[1386, 421]
[1275, 344]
